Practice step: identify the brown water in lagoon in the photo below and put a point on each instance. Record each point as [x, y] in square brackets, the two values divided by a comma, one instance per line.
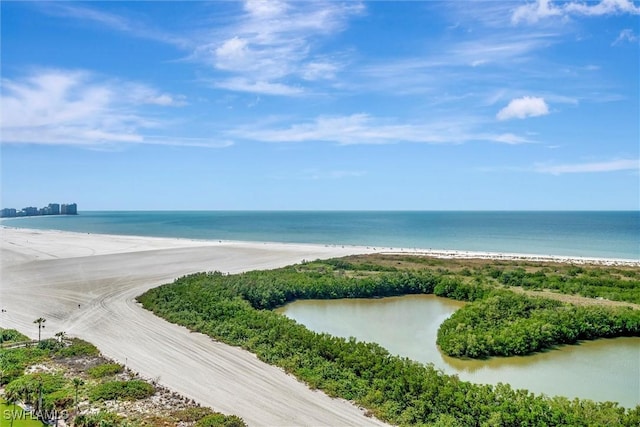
[606, 369]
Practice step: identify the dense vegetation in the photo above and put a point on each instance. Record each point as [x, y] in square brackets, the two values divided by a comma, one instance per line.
[609, 283]
[45, 391]
[121, 390]
[13, 362]
[236, 309]
[506, 324]
[94, 380]
[11, 335]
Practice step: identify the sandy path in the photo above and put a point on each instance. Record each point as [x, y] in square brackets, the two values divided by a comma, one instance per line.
[49, 273]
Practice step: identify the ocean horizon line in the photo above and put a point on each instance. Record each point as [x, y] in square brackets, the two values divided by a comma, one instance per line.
[357, 210]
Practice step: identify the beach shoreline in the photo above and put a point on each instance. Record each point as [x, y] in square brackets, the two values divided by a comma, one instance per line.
[155, 242]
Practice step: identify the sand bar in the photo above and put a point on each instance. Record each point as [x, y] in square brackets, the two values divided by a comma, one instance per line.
[86, 284]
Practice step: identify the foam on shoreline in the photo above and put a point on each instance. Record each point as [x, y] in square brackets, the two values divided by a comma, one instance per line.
[110, 243]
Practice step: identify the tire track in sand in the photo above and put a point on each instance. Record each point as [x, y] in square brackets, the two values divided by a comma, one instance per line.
[226, 378]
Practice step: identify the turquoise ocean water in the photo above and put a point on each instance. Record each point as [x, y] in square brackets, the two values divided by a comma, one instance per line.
[590, 234]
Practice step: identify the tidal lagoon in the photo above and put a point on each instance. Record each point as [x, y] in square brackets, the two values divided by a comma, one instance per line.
[601, 370]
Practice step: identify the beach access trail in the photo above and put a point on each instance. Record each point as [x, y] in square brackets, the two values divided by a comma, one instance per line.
[86, 284]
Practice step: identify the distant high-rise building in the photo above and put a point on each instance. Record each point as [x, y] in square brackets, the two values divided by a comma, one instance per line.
[52, 209]
[31, 211]
[69, 209]
[8, 213]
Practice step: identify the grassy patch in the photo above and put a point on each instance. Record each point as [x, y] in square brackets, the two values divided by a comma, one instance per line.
[22, 419]
[121, 390]
[78, 347]
[105, 370]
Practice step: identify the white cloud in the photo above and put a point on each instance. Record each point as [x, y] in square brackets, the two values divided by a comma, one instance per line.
[592, 167]
[187, 142]
[510, 138]
[138, 93]
[265, 8]
[626, 35]
[232, 54]
[319, 71]
[353, 129]
[241, 84]
[65, 107]
[274, 41]
[364, 129]
[520, 108]
[605, 7]
[498, 50]
[533, 12]
[541, 9]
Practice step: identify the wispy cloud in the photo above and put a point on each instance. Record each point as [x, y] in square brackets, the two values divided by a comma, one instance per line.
[364, 129]
[260, 87]
[272, 43]
[590, 167]
[269, 47]
[75, 107]
[626, 36]
[542, 9]
[113, 21]
[524, 107]
[469, 60]
[509, 138]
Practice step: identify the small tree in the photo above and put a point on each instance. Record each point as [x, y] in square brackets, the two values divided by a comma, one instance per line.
[77, 383]
[40, 321]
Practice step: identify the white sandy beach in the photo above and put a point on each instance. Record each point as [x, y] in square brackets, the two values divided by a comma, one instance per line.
[86, 284]
[49, 273]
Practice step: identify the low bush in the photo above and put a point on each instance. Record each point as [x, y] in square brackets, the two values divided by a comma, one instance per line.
[220, 420]
[14, 361]
[190, 415]
[50, 344]
[78, 347]
[58, 400]
[121, 390]
[101, 419]
[105, 370]
[11, 335]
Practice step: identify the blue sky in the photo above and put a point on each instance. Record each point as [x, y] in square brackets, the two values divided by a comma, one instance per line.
[424, 105]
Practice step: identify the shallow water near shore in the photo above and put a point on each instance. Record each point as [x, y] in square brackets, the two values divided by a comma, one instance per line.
[587, 234]
[601, 370]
